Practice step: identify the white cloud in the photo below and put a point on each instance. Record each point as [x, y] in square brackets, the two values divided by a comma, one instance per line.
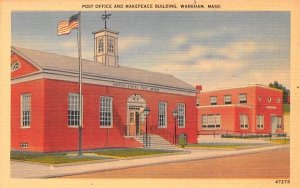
[200, 66]
[126, 43]
[178, 40]
[219, 65]
[182, 56]
[238, 50]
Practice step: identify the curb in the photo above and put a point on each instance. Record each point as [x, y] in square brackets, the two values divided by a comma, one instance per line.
[66, 164]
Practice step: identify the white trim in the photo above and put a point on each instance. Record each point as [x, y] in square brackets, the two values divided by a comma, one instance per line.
[97, 80]
[111, 111]
[184, 115]
[213, 100]
[165, 114]
[244, 121]
[77, 95]
[227, 98]
[21, 111]
[260, 120]
[242, 87]
[215, 122]
[26, 58]
[226, 105]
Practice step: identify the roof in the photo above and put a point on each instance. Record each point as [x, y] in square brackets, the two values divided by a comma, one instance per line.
[52, 61]
[242, 87]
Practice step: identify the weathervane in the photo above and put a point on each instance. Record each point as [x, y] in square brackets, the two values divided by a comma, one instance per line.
[105, 17]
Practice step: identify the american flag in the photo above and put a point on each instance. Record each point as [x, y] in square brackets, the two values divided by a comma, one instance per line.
[64, 27]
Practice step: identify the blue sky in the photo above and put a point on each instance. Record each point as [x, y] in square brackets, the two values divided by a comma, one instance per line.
[213, 49]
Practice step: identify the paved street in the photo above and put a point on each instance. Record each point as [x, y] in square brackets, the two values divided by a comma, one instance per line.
[29, 170]
[266, 164]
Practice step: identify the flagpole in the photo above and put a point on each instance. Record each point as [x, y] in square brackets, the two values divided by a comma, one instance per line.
[80, 86]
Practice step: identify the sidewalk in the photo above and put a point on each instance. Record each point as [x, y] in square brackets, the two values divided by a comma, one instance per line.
[28, 170]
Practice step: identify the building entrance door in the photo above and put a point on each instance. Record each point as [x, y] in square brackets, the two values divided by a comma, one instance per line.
[137, 123]
[134, 123]
[273, 124]
[135, 106]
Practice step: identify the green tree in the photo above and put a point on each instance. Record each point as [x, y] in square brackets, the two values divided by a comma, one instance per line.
[285, 91]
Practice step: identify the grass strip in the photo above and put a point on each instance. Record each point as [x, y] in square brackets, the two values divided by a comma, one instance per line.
[222, 145]
[55, 158]
[280, 141]
[130, 152]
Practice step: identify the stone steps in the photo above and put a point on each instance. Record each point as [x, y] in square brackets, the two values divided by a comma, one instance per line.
[157, 142]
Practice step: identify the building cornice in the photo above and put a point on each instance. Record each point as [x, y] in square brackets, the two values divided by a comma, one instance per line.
[88, 78]
[225, 105]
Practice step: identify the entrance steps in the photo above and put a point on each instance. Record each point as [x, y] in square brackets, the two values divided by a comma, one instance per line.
[157, 142]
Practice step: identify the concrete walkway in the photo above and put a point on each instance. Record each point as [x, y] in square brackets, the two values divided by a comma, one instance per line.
[28, 170]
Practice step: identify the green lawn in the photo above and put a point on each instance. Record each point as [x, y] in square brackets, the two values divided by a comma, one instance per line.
[222, 145]
[53, 158]
[63, 158]
[130, 152]
[280, 141]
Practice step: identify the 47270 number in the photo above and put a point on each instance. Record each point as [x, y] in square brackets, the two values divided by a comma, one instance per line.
[282, 181]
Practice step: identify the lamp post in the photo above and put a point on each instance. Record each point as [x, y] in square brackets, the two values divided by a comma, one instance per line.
[146, 111]
[175, 114]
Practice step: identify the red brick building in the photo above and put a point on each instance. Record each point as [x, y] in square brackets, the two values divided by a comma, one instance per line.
[45, 101]
[251, 109]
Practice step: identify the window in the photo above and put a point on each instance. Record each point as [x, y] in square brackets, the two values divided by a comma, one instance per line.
[106, 112]
[100, 45]
[24, 145]
[278, 100]
[269, 99]
[73, 110]
[227, 99]
[213, 100]
[260, 121]
[243, 98]
[244, 121]
[25, 110]
[279, 122]
[110, 46]
[162, 114]
[15, 66]
[131, 117]
[181, 115]
[259, 98]
[211, 121]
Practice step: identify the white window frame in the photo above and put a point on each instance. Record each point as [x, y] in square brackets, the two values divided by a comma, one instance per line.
[243, 98]
[227, 99]
[260, 122]
[181, 115]
[215, 119]
[73, 105]
[24, 145]
[15, 66]
[213, 100]
[25, 110]
[106, 112]
[162, 115]
[279, 122]
[110, 45]
[269, 99]
[244, 121]
[100, 44]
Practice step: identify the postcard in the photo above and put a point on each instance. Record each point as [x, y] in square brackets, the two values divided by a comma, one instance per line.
[149, 93]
